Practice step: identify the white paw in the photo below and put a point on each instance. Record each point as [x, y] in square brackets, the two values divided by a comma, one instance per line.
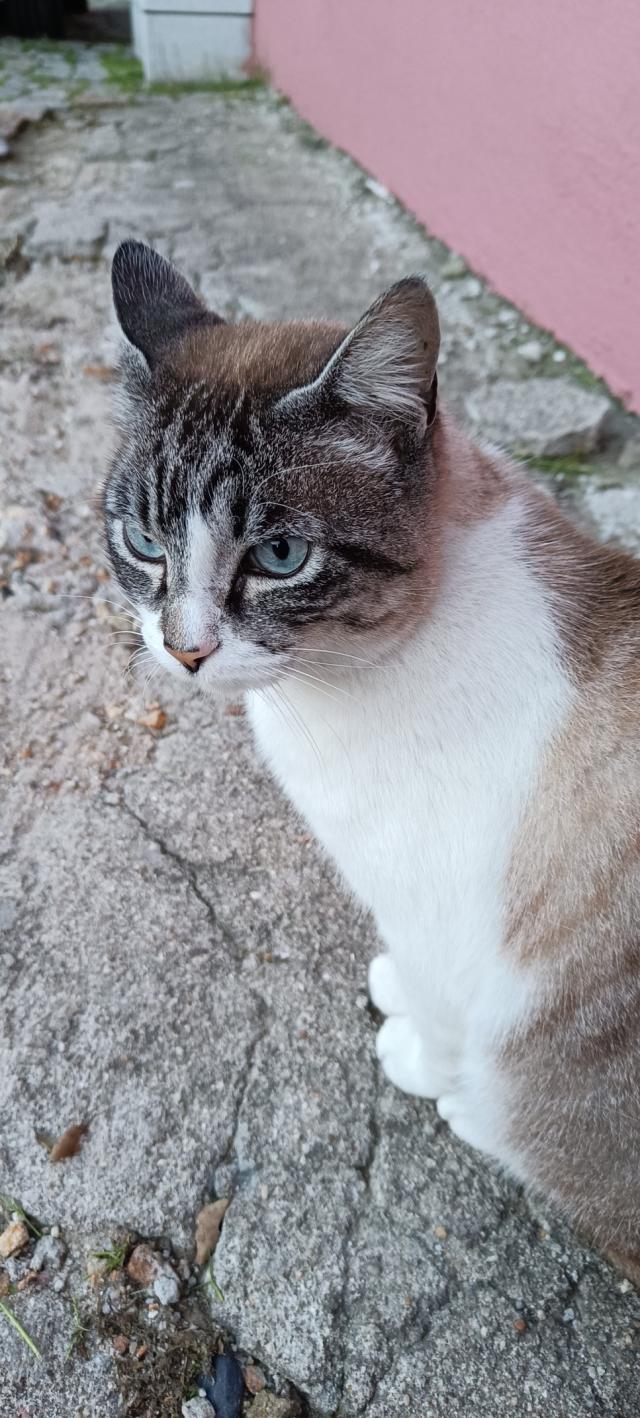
[405, 1060]
[385, 989]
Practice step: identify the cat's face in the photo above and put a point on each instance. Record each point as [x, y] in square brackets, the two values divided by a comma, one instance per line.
[267, 502]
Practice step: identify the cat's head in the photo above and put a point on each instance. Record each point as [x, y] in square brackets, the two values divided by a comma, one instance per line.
[268, 496]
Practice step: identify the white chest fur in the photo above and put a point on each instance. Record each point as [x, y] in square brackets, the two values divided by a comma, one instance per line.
[421, 770]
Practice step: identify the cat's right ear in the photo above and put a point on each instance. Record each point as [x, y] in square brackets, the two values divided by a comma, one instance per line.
[154, 304]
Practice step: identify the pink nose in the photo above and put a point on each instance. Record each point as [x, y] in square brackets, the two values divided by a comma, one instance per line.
[192, 659]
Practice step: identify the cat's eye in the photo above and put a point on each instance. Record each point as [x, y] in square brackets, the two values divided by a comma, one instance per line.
[139, 543]
[279, 556]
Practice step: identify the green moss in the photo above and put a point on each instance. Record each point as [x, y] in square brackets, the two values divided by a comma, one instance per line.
[570, 465]
[122, 69]
[308, 136]
[243, 87]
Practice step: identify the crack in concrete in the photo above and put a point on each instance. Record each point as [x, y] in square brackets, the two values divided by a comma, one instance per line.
[188, 870]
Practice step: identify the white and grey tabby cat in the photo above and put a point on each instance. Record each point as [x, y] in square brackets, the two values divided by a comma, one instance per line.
[289, 508]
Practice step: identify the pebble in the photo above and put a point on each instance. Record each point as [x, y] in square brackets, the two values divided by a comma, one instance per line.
[50, 1253]
[472, 288]
[532, 351]
[151, 1271]
[378, 189]
[227, 1390]
[254, 1379]
[13, 1239]
[197, 1408]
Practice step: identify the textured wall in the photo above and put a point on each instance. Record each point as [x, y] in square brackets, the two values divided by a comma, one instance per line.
[511, 129]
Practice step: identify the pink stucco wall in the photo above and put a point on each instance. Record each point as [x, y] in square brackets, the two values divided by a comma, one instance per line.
[510, 127]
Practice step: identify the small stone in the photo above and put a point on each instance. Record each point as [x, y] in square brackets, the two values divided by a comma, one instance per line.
[377, 189]
[141, 1265]
[197, 1408]
[520, 1326]
[5, 1283]
[150, 1271]
[440, 1232]
[14, 1238]
[166, 1286]
[454, 267]
[559, 356]
[532, 351]
[49, 1253]
[121, 1344]
[228, 1386]
[254, 1379]
[472, 288]
[568, 1316]
[539, 417]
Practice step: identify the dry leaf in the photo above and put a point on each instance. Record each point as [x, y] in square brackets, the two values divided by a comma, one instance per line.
[69, 1144]
[5, 1283]
[155, 719]
[121, 1343]
[14, 1238]
[208, 1223]
[235, 711]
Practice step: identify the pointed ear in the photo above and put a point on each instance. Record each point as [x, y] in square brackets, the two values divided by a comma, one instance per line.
[153, 302]
[386, 367]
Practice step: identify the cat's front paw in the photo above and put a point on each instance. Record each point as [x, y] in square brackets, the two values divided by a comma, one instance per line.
[385, 989]
[405, 1059]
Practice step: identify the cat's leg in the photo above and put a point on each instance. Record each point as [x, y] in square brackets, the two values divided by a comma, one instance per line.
[476, 1106]
[417, 1060]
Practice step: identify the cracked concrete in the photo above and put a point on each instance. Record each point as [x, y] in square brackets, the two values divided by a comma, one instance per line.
[179, 966]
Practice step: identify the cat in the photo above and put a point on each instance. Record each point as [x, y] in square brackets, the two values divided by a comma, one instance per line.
[441, 671]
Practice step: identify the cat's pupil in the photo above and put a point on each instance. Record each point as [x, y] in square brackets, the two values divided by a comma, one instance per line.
[280, 548]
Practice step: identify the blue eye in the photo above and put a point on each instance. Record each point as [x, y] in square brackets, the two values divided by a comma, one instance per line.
[138, 543]
[280, 556]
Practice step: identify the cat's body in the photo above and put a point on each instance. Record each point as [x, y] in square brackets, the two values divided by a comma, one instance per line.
[452, 702]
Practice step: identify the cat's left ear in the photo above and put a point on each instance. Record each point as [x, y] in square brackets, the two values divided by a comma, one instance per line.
[154, 303]
[386, 367]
